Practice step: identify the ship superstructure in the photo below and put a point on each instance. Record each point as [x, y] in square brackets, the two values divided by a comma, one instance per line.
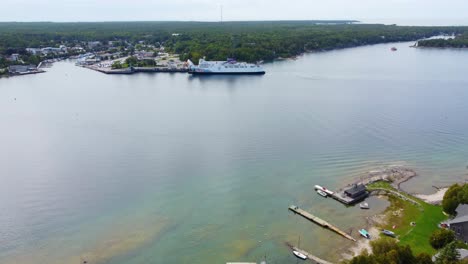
[230, 66]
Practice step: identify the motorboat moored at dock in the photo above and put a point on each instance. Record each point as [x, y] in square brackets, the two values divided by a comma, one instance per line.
[322, 193]
[323, 189]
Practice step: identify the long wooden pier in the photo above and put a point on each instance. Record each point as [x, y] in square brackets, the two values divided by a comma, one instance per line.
[319, 221]
[309, 256]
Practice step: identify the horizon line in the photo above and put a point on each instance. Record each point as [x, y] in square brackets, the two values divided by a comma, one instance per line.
[184, 21]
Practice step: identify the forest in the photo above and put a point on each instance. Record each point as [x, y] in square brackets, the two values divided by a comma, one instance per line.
[460, 41]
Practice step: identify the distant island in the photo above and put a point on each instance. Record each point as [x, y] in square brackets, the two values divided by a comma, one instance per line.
[32, 43]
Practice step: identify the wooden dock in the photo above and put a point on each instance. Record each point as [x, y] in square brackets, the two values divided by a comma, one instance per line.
[320, 222]
[310, 256]
[342, 198]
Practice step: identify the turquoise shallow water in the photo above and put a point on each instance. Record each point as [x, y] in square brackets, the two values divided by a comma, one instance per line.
[168, 168]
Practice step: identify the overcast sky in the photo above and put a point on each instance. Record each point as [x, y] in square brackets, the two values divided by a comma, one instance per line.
[399, 11]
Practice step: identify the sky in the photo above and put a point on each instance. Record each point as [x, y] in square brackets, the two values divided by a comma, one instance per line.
[385, 11]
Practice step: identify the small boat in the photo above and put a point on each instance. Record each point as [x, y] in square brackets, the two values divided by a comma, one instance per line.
[364, 206]
[299, 255]
[323, 189]
[393, 49]
[322, 193]
[364, 233]
[388, 233]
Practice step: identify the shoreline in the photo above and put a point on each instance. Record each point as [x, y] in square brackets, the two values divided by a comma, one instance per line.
[434, 198]
[440, 48]
[376, 221]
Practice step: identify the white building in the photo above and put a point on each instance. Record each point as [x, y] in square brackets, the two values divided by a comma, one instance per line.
[34, 51]
[93, 44]
[14, 57]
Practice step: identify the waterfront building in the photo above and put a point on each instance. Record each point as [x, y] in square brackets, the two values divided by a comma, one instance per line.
[459, 224]
[357, 192]
[20, 69]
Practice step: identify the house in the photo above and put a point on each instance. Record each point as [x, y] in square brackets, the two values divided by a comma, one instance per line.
[14, 57]
[20, 69]
[77, 49]
[34, 51]
[93, 44]
[357, 191]
[144, 55]
[459, 224]
[51, 50]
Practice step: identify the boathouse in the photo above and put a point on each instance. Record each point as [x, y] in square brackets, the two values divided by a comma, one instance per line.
[21, 69]
[357, 192]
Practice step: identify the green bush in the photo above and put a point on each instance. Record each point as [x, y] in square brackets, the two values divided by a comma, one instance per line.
[448, 255]
[441, 237]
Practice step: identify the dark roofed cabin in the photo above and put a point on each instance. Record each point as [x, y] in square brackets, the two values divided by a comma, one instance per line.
[358, 190]
[459, 225]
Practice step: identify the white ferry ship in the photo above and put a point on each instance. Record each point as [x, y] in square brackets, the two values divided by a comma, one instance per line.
[230, 66]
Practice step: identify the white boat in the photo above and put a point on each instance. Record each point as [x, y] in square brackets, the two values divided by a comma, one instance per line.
[322, 193]
[364, 206]
[230, 66]
[299, 255]
[323, 189]
[388, 233]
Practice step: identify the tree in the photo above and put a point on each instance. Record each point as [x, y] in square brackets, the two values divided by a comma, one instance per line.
[388, 251]
[132, 61]
[117, 65]
[441, 237]
[424, 258]
[454, 196]
[448, 255]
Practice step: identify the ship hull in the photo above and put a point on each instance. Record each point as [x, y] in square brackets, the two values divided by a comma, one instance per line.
[227, 73]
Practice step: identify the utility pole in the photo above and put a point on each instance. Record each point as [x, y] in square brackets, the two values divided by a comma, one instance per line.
[221, 13]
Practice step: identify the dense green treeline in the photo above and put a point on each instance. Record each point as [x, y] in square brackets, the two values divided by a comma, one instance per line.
[389, 251]
[460, 41]
[249, 41]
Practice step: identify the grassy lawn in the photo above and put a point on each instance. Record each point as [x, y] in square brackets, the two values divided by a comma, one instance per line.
[401, 213]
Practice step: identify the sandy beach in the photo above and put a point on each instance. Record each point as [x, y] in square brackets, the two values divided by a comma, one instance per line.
[435, 198]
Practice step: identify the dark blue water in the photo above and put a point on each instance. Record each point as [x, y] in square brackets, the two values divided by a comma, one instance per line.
[168, 168]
